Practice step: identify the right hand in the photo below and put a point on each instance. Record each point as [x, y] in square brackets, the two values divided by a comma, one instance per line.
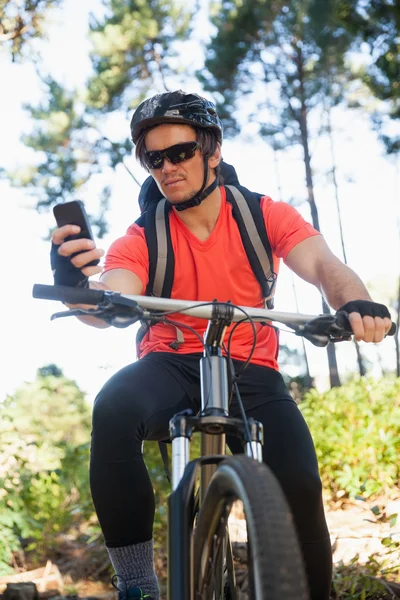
[86, 250]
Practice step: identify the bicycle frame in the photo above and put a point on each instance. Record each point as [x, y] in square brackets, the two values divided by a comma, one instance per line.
[213, 423]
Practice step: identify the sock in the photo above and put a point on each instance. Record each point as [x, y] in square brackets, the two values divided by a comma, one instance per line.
[134, 566]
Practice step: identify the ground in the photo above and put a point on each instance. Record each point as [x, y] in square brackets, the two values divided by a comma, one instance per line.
[356, 535]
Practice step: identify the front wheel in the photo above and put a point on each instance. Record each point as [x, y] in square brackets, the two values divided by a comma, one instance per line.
[275, 566]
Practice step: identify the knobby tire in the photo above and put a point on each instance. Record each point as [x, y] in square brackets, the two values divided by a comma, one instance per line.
[275, 565]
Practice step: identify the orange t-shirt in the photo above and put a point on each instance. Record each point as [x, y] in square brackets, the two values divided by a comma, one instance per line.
[215, 269]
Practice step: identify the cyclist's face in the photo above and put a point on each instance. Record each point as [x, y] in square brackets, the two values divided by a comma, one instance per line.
[177, 182]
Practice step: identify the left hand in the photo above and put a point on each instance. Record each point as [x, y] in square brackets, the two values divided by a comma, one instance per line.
[369, 321]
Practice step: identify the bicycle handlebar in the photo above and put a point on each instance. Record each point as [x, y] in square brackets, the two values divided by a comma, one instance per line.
[67, 294]
[122, 310]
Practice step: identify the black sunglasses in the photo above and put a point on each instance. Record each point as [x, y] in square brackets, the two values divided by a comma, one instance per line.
[175, 154]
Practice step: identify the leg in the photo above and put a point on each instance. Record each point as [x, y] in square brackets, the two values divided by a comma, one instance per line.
[289, 452]
[134, 405]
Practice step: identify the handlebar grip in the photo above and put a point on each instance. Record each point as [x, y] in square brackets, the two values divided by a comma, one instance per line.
[343, 321]
[69, 295]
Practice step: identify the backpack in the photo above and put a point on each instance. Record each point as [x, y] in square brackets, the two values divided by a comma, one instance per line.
[246, 211]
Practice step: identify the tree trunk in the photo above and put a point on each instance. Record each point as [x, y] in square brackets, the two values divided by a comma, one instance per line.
[361, 366]
[308, 381]
[360, 361]
[331, 350]
[334, 179]
[397, 336]
[277, 174]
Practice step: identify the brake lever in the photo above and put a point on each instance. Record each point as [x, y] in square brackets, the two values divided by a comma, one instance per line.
[76, 312]
[341, 327]
[326, 328]
[121, 318]
[124, 317]
[317, 340]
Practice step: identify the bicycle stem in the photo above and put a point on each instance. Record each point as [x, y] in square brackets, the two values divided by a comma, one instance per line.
[214, 403]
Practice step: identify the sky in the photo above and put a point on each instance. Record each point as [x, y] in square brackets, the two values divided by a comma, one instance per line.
[369, 201]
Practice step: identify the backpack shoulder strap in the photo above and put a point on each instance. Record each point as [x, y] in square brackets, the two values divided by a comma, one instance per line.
[247, 212]
[161, 254]
[155, 221]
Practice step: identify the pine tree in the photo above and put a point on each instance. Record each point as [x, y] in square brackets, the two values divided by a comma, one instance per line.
[294, 60]
[132, 46]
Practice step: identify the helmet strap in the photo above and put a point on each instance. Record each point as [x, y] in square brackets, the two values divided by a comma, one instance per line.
[203, 192]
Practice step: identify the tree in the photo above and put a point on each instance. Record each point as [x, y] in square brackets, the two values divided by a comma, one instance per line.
[21, 22]
[50, 369]
[47, 411]
[44, 453]
[360, 361]
[44, 476]
[377, 24]
[308, 381]
[71, 151]
[292, 61]
[132, 50]
[132, 47]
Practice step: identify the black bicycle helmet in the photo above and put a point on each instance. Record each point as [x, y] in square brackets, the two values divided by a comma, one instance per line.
[176, 107]
[179, 107]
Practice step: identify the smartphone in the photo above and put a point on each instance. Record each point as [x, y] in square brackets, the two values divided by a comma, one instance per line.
[74, 213]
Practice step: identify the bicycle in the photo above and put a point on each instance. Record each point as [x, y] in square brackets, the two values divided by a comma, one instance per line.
[200, 557]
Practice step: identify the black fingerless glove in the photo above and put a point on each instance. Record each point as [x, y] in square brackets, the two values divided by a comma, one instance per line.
[365, 308]
[64, 272]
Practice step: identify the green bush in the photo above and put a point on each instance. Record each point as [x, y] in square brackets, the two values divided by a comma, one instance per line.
[356, 431]
[44, 454]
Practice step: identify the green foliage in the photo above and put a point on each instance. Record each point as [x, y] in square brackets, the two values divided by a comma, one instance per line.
[44, 477]
[70, 150]
[44, 453]
[355, 581]
[279, 49]
[356, 431]
[131, 47]
[20, 22]
[299, 52]
[67, 149]
[376, 23]
[51, 409]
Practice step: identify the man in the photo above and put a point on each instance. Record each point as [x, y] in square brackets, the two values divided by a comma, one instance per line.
[178, 140]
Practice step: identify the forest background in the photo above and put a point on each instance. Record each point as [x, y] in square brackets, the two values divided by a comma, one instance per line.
[309, 94]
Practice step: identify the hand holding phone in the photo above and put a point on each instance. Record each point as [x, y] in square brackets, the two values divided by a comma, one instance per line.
[64, 270]
[74, 213]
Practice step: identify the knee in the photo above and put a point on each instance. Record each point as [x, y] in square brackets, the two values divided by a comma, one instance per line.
[116, 405]
[117, 424]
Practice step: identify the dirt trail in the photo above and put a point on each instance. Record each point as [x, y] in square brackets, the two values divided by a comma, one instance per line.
[355, 530]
